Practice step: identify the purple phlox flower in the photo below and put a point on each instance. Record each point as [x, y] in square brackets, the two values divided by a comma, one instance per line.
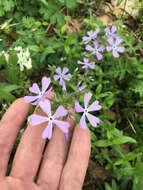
[111, 32]
[86, 64]
[61, 75]
[114, 46]
[39, 94]
[93, 107]
[91, 36]
[81, 88]
[51, 119]
[96, 50]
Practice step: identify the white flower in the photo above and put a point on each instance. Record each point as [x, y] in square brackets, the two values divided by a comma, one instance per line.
[18, 48]
[24, 59]
[5, 54]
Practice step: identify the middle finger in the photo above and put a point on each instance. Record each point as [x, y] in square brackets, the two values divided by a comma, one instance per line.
[54, 158]
[29, 152]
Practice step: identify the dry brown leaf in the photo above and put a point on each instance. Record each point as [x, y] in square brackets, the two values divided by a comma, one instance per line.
[126, 7]
[73, 26]
[96, 171]
[105, 19]
[125, 148]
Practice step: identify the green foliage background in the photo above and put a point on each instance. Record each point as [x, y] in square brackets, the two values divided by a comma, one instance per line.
[42, 26]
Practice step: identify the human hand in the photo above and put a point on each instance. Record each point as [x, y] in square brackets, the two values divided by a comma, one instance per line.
[58, 171]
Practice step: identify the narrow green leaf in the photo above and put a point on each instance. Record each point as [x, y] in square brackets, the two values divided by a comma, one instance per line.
[123, 139]
[119, 2]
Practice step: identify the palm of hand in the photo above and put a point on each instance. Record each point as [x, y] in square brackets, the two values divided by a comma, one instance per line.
[10, 183]
[57, 170]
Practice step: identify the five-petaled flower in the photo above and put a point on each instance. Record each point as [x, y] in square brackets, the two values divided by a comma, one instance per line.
[81, 88]
[96, 50]
[61, 75]
[35, 89]
[50, 119]
[86, 64]
[114, 46]
[111, 32]
[91, 36]
[93, 107]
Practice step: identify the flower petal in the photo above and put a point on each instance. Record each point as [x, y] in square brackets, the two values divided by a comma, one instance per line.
[83, 123]
[36, 102]
[35, 88]
[60, 112]
[107, 30]
[48, 91]
[111, 41]
[56, 77]
[65, 70]
[61, 81]
[58, 70]
[45, 83]
[96, 32]
[113, 29]
[67, 77]
[90, 33]
[108, 48]
[115, 53]
[29, 99]
[85, 60]
[118, 41]
[94, 106]
[63, 125]
[78, 107]
[101, 48]
[89, 48]
[92, 65]
[85, 67]
[37, 119]
[46, 107]
[79, 62]
[92, 119]
[85, 39]
[99, 56]
[67, 136]
[95, 43]
[48, 131]
[87, 98]
[120, 49]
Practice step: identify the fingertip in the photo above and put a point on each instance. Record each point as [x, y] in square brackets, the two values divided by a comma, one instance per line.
[81, 132]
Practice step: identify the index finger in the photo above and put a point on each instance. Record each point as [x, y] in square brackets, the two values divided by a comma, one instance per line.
[9, 128]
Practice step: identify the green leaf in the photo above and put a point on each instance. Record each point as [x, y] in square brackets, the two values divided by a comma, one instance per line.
[123, 139]
[119, 2]
[107, 186]
[10, 88]
[117, 140]
[4, 95]
[98, 89]
[34, 48]
[8, 5]
[12, 73]
[102, 143]
[63, 29]
[5, 91]
[44, 2]
[70, 4]
[60, 19]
